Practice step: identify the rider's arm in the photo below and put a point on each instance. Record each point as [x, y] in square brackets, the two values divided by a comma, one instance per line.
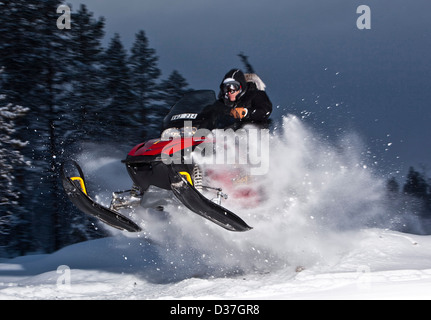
[260, 107]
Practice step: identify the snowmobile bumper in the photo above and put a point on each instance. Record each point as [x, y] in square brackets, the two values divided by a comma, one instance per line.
[146, 171]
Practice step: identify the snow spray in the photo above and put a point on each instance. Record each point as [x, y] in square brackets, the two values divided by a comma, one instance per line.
[314, 198]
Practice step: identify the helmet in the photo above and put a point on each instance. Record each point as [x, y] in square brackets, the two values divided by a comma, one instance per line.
[234, 80]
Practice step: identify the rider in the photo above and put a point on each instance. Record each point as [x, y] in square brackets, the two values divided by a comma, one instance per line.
[245, 97]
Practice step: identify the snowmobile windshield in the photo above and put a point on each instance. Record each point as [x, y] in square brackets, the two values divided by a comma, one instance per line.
[190, 108]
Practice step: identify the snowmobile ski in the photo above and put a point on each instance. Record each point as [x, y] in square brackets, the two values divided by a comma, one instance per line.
[77, 192]
[201, 205]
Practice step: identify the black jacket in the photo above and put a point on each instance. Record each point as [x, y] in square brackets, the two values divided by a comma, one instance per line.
[256, 101]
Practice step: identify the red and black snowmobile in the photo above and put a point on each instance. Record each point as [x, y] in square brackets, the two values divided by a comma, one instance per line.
[163, 163]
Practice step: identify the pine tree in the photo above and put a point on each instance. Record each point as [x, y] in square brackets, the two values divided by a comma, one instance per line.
[416, 188]
[116, 73]
[121, 124]
[415, 184]
[170, 91]
[50, 52]
[392, 187]
[85, 92]
[83, 105]
[17, 40]
[144, 75]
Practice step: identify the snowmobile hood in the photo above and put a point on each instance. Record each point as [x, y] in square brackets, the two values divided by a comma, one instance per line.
[149, 148]
[152, 150]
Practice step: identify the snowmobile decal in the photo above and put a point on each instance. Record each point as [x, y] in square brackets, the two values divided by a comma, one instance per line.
[187, 175]
[184, 116]
[81, 183]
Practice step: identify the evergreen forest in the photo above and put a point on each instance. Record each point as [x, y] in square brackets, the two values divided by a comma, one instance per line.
[61, 89]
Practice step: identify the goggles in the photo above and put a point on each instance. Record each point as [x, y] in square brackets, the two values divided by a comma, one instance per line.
[231, 87]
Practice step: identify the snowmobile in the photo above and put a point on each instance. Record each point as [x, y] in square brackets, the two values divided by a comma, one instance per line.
[162, 163]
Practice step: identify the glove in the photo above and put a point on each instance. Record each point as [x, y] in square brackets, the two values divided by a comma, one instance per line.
[238, 113]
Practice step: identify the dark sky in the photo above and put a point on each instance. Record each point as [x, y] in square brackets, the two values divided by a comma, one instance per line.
[312, 57]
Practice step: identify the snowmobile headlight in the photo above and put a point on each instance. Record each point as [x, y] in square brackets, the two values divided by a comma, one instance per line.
[175, 133]
[170, 133]
[188, 132]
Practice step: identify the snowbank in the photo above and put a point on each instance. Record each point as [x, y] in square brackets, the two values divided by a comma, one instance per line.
[383, 265]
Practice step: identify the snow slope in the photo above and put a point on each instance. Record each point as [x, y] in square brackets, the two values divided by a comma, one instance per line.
[380, 265]
[326, 231]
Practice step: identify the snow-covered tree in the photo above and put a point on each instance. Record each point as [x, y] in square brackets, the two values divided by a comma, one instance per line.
[9, 150]
[29, 79]
[15, 229]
